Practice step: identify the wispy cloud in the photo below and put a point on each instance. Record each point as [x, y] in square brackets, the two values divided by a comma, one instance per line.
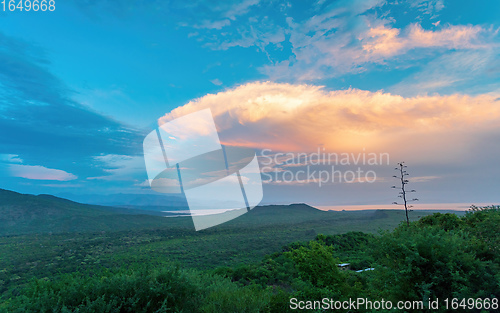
[119, 167]
[10, 158]
[216, 82]
[430, 7]
[45, 124]
[13, 166]
[421, 179]
[38, 172]
[336, 48]
[310, 41]
[385, 42]
[471, 72]
[238, 8]
[335, 38]
[213, 24]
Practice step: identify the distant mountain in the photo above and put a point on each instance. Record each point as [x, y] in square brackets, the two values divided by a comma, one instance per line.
[129, 200]
[24, 214]
[277, 215]
[30, 214]
[27, 214]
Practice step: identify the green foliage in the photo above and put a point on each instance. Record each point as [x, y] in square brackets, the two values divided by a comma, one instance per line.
[439, 256]
[230, 244]
[445, 221]
[352, 247]
[304, 271]
[228, 297]
[348, 241]
[484, 224]
[143, 290]
[316, 264]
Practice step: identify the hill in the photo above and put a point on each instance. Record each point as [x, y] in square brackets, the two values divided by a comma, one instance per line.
[27, 214]
[36, 214]
[126, 200]
[42, 236]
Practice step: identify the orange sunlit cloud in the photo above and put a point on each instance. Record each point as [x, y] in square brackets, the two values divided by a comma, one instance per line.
[287, 117]
[387, 41]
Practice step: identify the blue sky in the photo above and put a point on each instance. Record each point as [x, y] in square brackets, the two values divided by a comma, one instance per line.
[82, 86]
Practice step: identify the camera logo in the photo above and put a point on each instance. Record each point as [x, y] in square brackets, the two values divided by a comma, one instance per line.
[185, 157]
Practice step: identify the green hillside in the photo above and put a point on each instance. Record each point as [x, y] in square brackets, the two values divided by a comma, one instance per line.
[37, 214]
[248, 265]
[48, 236]
[52, 245]
[29, 214]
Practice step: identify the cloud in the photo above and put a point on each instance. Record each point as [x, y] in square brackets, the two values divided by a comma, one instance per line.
[38, 172]
[112, 103]
[259, 32]
[249, 23]
[160, 183]
[120, 167]
[321, 39]
[343, 8]
[216, 82]
[324, 39]
[471, 72]
[10, 158]
[299, 117]
[384, 42]
[213, 24]
[45, 125]
[191, 10]
[329, 48]
[239, 8]
[421, 179]
[59, 185]
[227, 11]
[428, 6]
[11, 165]
[213, 17]
[350, 37]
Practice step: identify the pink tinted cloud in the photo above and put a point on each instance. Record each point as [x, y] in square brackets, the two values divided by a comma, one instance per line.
[288, 117]
[38, 172]
[387, 41]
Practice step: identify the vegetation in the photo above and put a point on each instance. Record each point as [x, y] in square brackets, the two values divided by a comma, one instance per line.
[256, 263]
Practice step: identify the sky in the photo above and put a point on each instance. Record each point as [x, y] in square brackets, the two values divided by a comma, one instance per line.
[415, 80]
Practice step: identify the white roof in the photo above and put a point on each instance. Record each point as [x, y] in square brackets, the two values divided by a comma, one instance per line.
[366, 269]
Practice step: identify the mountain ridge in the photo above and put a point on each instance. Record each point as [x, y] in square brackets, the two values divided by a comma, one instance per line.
[22, 214]
[44, 213]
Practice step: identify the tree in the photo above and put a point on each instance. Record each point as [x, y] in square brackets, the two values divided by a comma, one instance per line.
[316, 264]
[403, 193]
[422, 263]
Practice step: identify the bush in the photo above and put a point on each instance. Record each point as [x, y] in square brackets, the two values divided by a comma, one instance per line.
[427, 263]
[157, 290]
